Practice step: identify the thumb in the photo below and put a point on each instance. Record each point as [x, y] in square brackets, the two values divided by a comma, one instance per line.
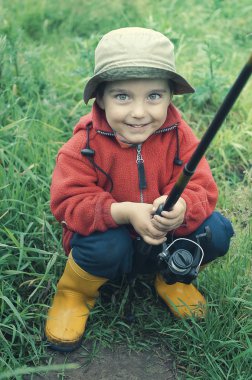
[157, 202]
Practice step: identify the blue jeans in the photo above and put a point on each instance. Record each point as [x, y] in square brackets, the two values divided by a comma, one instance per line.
[110, 254]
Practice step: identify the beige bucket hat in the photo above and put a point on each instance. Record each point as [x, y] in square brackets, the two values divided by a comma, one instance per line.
[134, 52]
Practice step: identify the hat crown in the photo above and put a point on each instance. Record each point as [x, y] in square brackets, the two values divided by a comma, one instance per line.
[134, 46]
[135, 53]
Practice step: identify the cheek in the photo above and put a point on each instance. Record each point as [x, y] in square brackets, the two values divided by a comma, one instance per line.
[161, 115]
[114, 114]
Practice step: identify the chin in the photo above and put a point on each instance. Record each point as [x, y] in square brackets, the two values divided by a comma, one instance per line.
[138, 140]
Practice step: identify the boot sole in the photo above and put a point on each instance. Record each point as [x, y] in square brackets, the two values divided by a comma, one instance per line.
[65, 347]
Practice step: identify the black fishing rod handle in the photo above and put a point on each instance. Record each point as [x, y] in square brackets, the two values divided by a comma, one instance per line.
[159, 209]
[170, 200]
[167, 206]
[176, 191]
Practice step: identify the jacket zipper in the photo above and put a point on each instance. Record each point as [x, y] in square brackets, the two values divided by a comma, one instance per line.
[141, 172]
[139, 160]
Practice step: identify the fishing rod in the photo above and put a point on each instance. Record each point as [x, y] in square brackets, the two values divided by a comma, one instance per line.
[176, 264]
[206, 140]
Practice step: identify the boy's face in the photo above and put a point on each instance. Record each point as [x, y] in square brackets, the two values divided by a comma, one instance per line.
[135, 108]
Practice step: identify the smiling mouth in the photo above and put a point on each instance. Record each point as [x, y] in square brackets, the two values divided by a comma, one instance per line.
[137, 125]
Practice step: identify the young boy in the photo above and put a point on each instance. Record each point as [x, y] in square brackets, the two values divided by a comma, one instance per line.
[119, 166]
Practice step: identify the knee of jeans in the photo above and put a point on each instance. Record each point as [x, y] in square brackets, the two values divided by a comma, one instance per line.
[112, 248]
[222, 231]
[116, 250]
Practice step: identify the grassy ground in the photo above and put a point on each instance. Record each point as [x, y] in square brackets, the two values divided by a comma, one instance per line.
[46, 55]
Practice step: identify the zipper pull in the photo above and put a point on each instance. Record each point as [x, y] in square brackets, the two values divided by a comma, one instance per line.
[140, 167]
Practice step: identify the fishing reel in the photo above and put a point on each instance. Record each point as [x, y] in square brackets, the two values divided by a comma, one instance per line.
[180, 261]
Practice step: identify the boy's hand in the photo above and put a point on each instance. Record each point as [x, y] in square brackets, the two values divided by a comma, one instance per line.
[139, 215]
[169, 220]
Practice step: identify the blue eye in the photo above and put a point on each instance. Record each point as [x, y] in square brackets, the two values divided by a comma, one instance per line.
[154, 96]
[122, 97]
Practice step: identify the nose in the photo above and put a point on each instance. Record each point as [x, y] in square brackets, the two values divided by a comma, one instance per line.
[138, 110]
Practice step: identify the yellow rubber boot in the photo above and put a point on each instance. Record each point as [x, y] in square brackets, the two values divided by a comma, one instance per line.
[182, 299]
[76, 294]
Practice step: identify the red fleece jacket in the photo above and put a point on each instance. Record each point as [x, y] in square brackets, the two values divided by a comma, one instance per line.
[80, 197]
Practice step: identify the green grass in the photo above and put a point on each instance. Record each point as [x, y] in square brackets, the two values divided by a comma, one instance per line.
[46, 55]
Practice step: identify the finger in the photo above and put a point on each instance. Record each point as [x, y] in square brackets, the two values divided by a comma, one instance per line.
[160, 226]
[152, 241]
[158, 234]
[159, 201]
[173, 218]
[169, 214]
[163, 221]
[163, 224]
[154, 232]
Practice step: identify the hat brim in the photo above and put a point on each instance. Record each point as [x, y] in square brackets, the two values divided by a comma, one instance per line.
[180, 85]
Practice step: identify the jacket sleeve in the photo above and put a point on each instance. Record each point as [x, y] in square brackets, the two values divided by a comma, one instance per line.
[201, 191]
[76, 201]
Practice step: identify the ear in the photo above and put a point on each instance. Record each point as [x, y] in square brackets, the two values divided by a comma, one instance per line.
[100, 102]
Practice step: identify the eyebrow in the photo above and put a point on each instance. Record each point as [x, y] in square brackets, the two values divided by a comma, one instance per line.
[117, 90]
[159, 90]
